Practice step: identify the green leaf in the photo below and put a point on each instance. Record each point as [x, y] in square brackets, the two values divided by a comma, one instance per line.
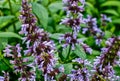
[79, 51]
[3, 43]
[108, 34]
[15, 7]
[9, 34]
[41, 13]
[45, 2]
[111, 3]
[65, 51]
[116, 21]
[111, 11]
[54, 7]
[55, 36]
[4, 20]
[68, 68]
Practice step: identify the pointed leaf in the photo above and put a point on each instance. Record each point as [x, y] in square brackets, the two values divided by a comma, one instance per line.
[9, 34]
[41, 13]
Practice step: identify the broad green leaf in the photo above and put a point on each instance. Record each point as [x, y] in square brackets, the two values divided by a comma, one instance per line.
[9, 34]
[111, 11]
[111, 3]
[4, 20]
[41, 13]
[54, 7]
[55, 36]
[79, 51]
[68, 67]
[91, 9]
[45, 2]
[116, 21]
[65, 51]
[108, 34]
[15, 7]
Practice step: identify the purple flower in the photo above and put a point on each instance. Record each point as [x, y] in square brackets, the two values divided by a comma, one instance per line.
[87, 48]
[92, 28]
[69, 39]
[80, 71]
[5, 77]
[103, 64]
[105, 19]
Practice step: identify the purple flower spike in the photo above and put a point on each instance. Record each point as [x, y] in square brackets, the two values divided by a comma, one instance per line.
[103, 64]
[80, 71]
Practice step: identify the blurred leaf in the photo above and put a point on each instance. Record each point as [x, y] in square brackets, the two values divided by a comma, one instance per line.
[65, 51]
[15, 7]
[3, 63]
[111, 11]
[55, 36]
[41, 12]
[3, 42]
[5, 20]
[9, 34]
[45, 2]
[116, 21]
[91, 9]
[62, 28]
[54, 7]
[111, 3]
[108, 34]
[79, 51]
[68, 68]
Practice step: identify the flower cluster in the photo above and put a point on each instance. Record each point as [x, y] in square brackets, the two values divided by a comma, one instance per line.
[19, 63]
[105, 19]
[80, 71]
[37, 41]
[110, 56]
[69, 39]
[74, 19]
[92, 28]
[6, 77]
[86, 48]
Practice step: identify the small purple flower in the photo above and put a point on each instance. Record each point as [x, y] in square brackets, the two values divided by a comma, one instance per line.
[103, 64]
[80, 71]
[105, 19]
[87, 48]
[69, 39]
[5, 77]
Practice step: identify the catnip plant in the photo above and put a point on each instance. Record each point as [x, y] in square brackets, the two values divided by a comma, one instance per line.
[46, 63]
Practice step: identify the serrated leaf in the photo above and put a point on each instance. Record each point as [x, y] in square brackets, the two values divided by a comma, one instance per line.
[41, 13]
[9, 34]
[79, 51]
[54, 7]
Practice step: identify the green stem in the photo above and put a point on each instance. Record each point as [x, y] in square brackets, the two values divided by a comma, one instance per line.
[11, 11]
